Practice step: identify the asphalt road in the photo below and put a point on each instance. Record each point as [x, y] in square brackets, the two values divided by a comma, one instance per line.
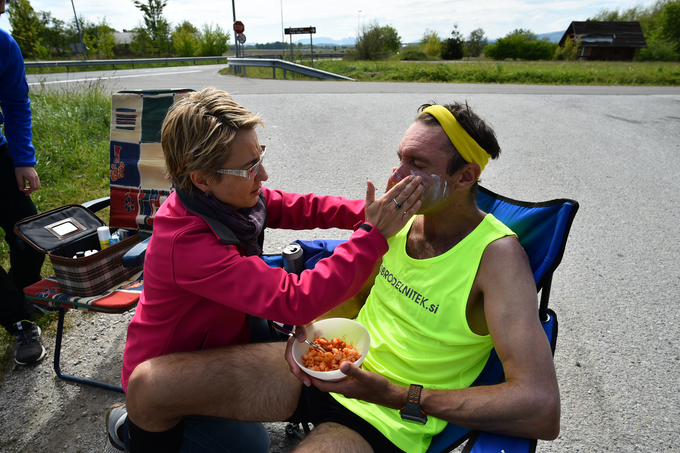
[616, 150]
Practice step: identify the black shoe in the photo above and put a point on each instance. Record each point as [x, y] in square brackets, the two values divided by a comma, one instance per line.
[29, 349]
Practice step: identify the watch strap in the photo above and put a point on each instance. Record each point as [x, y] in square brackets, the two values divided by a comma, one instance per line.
[412, 411]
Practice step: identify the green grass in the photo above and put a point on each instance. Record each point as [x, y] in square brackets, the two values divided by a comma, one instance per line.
[513, 72]
[71, 138]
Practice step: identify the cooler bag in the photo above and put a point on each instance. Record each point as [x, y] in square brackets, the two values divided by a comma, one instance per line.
[64, 232]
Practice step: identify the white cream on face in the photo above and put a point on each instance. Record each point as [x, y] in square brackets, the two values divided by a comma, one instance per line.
[434, 189]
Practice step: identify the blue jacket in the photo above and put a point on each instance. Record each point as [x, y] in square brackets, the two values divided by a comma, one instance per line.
[14, 102]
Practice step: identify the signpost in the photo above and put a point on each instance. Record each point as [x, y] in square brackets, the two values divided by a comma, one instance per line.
[300, 31]
[239, 28]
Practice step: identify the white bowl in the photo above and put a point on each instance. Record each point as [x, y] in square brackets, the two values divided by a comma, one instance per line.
[350, 331]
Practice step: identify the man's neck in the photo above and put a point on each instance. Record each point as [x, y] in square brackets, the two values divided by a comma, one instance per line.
[437, 232]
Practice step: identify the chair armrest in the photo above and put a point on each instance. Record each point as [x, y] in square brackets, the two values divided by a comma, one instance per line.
[98, 204]
[135, 256]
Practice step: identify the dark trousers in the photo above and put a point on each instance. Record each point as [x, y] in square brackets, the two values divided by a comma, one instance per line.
[25, 262]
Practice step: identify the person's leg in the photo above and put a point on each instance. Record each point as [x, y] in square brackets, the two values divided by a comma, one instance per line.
[333, 438]
[12, 309]
[246, 382]
[25, 262]
[212, 434]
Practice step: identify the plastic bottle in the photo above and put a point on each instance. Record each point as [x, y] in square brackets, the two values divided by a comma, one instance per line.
[104, 235]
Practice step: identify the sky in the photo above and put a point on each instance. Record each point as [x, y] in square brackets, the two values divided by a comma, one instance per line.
[264, 20]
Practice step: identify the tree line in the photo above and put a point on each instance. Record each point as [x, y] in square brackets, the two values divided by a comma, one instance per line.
[660, 23]
[42, 36]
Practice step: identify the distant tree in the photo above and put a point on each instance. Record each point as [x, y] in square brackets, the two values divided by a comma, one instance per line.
[141, 41]
[189, 27]
[618, 15]
[184, 43]
[375, 42]
[453, 48]
[26, 27]
[476, 42]
[391, 41]
[213, 41]
[431, 43]
[53, 33]
[528, 35]
[157, 27]
[670, 23]
[100, 39]
[271, 45]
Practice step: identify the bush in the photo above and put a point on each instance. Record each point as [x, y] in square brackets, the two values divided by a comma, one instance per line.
[414, 55]
[375, 42]
[518, 48]
[658, 49]
[569, 51]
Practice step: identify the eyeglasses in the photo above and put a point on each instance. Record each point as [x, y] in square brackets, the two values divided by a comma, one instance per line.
[249, 173]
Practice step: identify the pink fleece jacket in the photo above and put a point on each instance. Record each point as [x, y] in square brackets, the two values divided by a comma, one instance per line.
[198, 290]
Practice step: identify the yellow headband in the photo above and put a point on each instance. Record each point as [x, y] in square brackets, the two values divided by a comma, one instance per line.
[466, 146]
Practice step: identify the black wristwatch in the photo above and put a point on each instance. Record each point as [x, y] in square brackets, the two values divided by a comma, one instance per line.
[412, 411]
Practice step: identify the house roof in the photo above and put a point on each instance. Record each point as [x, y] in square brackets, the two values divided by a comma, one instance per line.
[606, 34]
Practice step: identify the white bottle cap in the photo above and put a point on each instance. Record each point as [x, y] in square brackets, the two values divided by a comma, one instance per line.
[103, 233]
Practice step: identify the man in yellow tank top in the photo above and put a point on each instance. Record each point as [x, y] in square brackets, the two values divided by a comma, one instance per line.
[454, 283]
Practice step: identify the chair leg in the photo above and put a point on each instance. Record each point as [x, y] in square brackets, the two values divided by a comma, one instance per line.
[57, 355]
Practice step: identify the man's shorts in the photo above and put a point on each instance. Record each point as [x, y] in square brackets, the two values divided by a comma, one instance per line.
[318, 407]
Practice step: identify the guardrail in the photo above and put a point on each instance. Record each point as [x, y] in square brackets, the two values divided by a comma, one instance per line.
[285, 66]
[132, 61]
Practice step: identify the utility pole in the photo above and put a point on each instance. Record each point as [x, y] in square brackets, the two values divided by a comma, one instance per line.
[80, 34]
[233, 9]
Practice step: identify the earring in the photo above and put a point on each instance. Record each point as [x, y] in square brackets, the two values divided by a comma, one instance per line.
[208, 193]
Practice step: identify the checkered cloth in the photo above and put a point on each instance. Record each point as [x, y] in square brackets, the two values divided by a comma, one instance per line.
[137, 172]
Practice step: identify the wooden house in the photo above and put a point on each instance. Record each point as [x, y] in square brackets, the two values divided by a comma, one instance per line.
[612, 41]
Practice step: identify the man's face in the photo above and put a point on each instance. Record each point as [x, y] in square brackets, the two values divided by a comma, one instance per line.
[422, 153]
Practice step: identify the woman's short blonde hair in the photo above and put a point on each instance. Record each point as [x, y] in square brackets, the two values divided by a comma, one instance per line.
[197, 134]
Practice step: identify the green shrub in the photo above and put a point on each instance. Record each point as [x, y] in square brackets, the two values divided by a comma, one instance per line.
[658, 49]
[413, 55]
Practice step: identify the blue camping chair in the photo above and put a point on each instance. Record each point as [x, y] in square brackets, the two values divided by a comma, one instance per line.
[542, 229]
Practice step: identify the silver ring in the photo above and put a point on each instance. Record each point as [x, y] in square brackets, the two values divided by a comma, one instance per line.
[398, 203]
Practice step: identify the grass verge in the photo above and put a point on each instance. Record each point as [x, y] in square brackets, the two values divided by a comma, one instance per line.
[512, 72]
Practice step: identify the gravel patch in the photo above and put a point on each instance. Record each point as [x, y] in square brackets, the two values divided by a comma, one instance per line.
[42, 413]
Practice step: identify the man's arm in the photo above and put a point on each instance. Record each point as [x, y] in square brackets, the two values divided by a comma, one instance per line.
[527, 404]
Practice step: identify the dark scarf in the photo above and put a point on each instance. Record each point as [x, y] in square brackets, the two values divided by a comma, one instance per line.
[246, 223]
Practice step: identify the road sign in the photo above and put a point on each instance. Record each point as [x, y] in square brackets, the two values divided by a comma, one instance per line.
[241, 38]
[239, 27]
[300, 31]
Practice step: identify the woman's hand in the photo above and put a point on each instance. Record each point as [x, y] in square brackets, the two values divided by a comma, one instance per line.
[390, 212]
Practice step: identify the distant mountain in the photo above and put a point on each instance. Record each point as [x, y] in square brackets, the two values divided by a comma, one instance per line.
[554, 36]
[323, 41]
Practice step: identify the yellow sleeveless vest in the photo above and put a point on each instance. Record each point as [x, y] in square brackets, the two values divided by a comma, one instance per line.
[419, 331]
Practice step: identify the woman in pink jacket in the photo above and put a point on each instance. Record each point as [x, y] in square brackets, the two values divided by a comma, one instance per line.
[203, 275]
